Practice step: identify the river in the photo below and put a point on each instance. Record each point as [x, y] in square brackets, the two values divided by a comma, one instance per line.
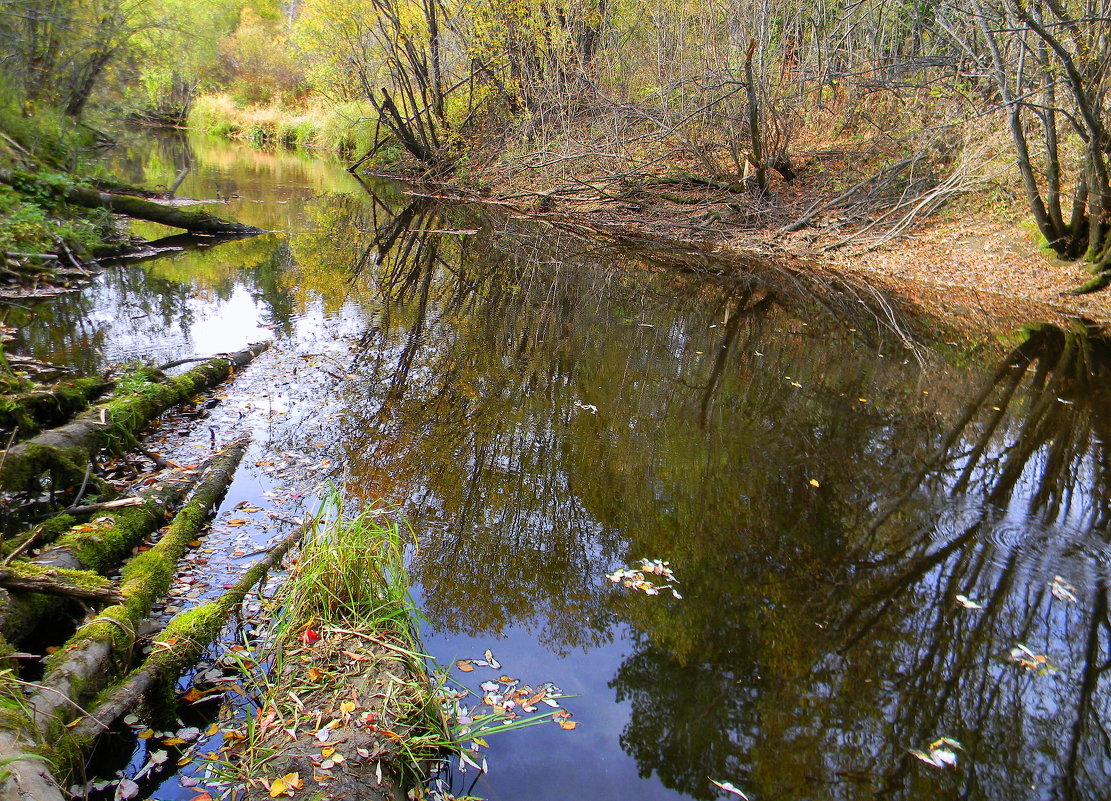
[884, 532]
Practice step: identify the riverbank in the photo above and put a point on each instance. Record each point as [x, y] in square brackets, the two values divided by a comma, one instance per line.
[974, 271]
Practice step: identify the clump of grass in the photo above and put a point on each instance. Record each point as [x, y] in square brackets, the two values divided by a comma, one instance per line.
[337, 676]
[340, 661]
[343, 128]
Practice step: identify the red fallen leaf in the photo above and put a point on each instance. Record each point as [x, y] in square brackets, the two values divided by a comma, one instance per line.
[202, 797]
[309, 637]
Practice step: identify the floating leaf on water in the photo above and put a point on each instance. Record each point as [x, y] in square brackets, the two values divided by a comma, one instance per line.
[1030, 660]
[464, 665]
[927, 758]
[945, 756]
[814, 482]
[939, 753]
[729, 787]
[968, 603]
[495, 664]
[126, 789]
[1062, 590]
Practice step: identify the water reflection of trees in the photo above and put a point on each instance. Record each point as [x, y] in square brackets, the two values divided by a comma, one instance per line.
[149, 310]
[868, 653]
[819, 637]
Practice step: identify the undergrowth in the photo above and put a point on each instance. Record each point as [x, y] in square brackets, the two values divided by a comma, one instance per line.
[343, 128]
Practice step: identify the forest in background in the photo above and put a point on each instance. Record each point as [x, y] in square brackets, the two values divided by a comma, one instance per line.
[861, 118]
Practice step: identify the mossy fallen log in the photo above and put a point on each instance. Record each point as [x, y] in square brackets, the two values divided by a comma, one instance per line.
[98, 546]
[179, 647]
[128, 205]
[26, 775]
[35, 409]
[84, 664]
[54, 581]
[63, 453]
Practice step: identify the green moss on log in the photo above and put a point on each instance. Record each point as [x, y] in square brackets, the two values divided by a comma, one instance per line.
[140, 397]
[147, 578]
[35, 408]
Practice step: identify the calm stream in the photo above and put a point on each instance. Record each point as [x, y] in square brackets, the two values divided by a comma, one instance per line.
[825, 483]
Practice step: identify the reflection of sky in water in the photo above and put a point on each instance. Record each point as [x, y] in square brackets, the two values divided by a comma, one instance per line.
[216, 325]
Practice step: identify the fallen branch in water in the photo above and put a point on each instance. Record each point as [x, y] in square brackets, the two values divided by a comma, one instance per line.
[63, 452]
[98, 546]
[54, 581]
[128, 205]
[181, 644]
[84, 664]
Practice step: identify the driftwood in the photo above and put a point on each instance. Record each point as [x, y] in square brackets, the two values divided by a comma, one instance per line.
[129, 205]
[180, 645]
[65, 451]
[84, 664]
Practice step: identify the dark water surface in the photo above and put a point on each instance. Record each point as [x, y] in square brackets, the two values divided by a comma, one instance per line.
[825, 481]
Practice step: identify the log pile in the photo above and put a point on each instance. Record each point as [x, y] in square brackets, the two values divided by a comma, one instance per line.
[45, 725]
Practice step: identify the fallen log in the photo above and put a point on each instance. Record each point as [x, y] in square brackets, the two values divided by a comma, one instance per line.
[98, 546]
[28, 776]
[64, 452]
[84, 664]
[128, 205]
[36, 409]
[53, 581]
[180, 645]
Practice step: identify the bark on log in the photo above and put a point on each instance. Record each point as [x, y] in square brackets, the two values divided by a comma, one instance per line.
[64, 451]
[84, 665]
[28, 775]
[66, 583]
[181, 644]
[131, 206]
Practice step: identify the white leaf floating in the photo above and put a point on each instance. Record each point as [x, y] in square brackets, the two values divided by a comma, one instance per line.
[968, 603]
[1062, 590]
[940, 753]
[730, 788]
[636, 578]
